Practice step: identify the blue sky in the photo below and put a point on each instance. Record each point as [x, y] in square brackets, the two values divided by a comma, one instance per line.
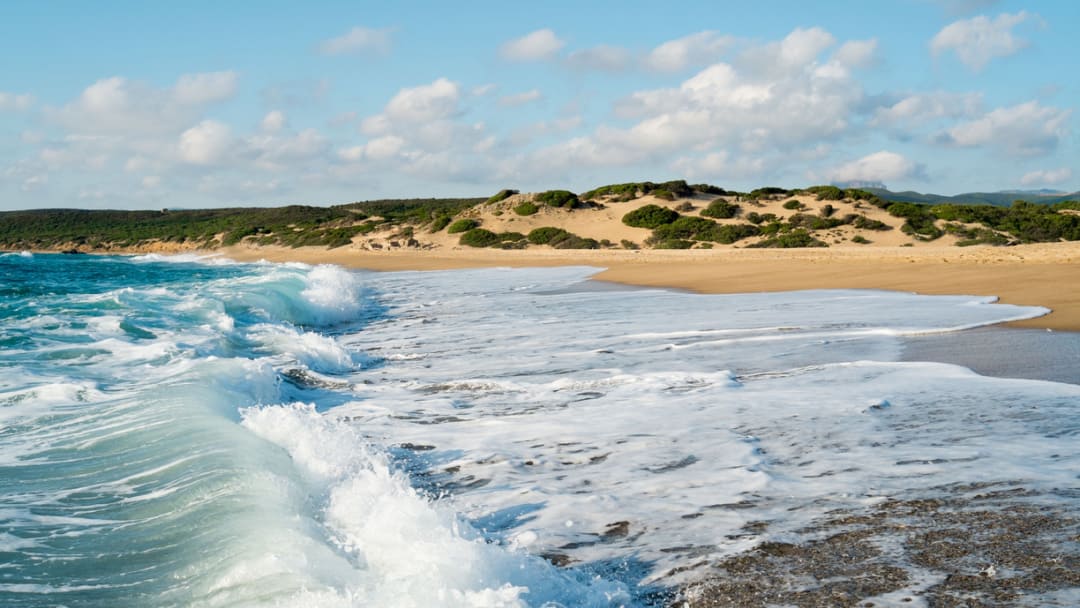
[206, 104]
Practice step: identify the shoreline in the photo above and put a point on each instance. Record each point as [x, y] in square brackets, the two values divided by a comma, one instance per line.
[1026, 275]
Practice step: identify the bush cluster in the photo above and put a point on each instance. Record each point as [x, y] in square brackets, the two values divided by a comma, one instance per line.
[665, 190]
[462, 225]
[789, 240]
[558, 198]
[721, 209]
[479, 237]
[650, 216]
[501, 195]
[560, 239]
[526, 208]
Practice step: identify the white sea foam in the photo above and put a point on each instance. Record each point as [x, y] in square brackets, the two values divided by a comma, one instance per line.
[406, 551]
[213, 259]
[554, 422]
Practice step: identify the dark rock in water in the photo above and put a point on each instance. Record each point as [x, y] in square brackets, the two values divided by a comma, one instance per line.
[559, 560]
[617, 529]
[72, 252]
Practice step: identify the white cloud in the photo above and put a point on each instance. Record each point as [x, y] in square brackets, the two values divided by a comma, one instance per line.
[719, 165]
[1027, 129]
[513, 101]
[735, 119]
[151, 181]
[694, 50]
[273, 122]
[34, 182]
[119, 106]
[978, 40]
[483, 90]
[13, 102]
[195, 89]
[424, 103]
[278, 153]
[880, 166]
[602, 58]
[857, 53]
[358, 39]
[384, 148]
[921, 108]
[1049, 177]
[206, 143]
[536, 46]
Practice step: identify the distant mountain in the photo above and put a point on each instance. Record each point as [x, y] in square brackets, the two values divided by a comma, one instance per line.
[1003, 198]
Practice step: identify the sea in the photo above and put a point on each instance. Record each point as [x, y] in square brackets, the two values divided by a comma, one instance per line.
[190, 431]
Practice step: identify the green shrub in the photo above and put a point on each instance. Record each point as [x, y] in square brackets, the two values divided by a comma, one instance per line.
[573, 241]
[709, 189]
[526, 208]
[767, 192]
[1066, 205]
[502, 195]
[859, 195]
[462, 225]
[828, 210]
[864, 223]
[827, 193]
[478, 237]
[757, 218]
[650, 216]
[546, 234]
[561, 239]
[663, 194]
[813, 222]
[558, 198]
[628, 244]
[721, 209]
[789, 240]
[793, 204]
[670, 244]
[860, 239]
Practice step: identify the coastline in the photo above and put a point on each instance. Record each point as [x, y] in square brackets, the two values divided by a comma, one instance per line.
[1028, 275]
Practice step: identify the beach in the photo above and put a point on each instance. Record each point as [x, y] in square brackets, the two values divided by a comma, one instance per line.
[1029, 275]
[527, 434]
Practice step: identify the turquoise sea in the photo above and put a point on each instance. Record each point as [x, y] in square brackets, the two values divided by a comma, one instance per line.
[195, 432]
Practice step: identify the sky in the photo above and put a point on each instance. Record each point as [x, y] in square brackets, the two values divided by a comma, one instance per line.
[147, 105]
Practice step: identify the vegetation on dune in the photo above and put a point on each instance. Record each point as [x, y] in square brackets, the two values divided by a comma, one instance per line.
[632, 190]
[767, 193]
[479, 237]
[558, 198]
[721, 209]
[700, 229]
[526, 208]
[462, 225]
[559, 238]
[788, 240]
[501, 195]
[650, 216]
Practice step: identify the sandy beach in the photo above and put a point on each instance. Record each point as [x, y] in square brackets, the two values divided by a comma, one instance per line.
[1033, 275]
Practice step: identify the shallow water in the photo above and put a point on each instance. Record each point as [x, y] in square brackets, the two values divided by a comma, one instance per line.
[190, 432]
